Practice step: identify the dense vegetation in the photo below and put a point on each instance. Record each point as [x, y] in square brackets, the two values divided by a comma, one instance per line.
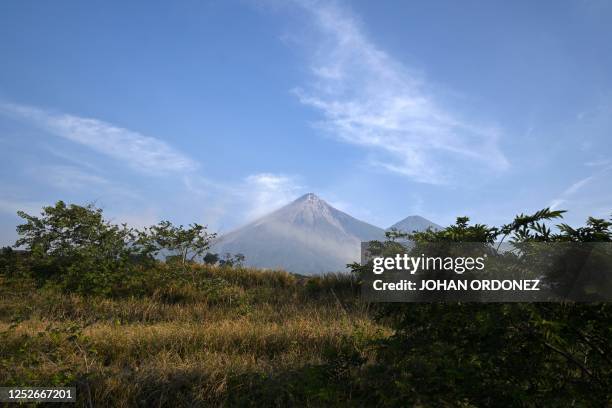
[529, 354]
[91, 304]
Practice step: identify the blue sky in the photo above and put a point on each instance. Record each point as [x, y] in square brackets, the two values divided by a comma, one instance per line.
[218, 112]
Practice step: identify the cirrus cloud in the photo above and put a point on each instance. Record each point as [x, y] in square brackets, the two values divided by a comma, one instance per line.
[369, 99]
[144, 153]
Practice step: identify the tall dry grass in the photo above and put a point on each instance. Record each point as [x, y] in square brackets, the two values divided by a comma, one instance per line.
[185, 345]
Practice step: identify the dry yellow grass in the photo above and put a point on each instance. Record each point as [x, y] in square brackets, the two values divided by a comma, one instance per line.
[148, 351]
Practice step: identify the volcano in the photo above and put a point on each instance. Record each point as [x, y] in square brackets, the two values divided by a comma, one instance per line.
[307, 236]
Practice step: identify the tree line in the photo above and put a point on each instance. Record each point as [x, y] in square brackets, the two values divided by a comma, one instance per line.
[75, 247]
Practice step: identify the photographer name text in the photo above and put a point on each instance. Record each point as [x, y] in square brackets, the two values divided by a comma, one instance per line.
[458, 285]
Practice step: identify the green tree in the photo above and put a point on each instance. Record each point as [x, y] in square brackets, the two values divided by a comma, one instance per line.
[63, 231]
[229, 260]
[11, 262]
[211, 258]
[182, 244]
[76, 246]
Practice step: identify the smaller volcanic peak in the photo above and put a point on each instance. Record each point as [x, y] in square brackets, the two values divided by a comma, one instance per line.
[414, 223]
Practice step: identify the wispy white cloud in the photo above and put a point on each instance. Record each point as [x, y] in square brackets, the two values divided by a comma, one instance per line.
[572, 189]
[595, 180]
[556, 203]
[370, 99]
[216, 202]
[239, 201]
[189, 196]
[143, 153]
[265, 192]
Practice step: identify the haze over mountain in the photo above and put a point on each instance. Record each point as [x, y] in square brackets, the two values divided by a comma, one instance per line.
[307, 236]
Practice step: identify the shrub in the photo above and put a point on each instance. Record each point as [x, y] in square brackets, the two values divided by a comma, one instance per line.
[498, 354]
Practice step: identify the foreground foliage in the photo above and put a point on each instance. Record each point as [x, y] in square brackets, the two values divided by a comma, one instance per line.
[532, 354]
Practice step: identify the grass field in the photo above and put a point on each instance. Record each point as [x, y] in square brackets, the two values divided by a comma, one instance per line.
[256, 338]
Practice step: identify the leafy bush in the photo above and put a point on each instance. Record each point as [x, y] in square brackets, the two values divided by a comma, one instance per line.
[497, 354]
[74, 248]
